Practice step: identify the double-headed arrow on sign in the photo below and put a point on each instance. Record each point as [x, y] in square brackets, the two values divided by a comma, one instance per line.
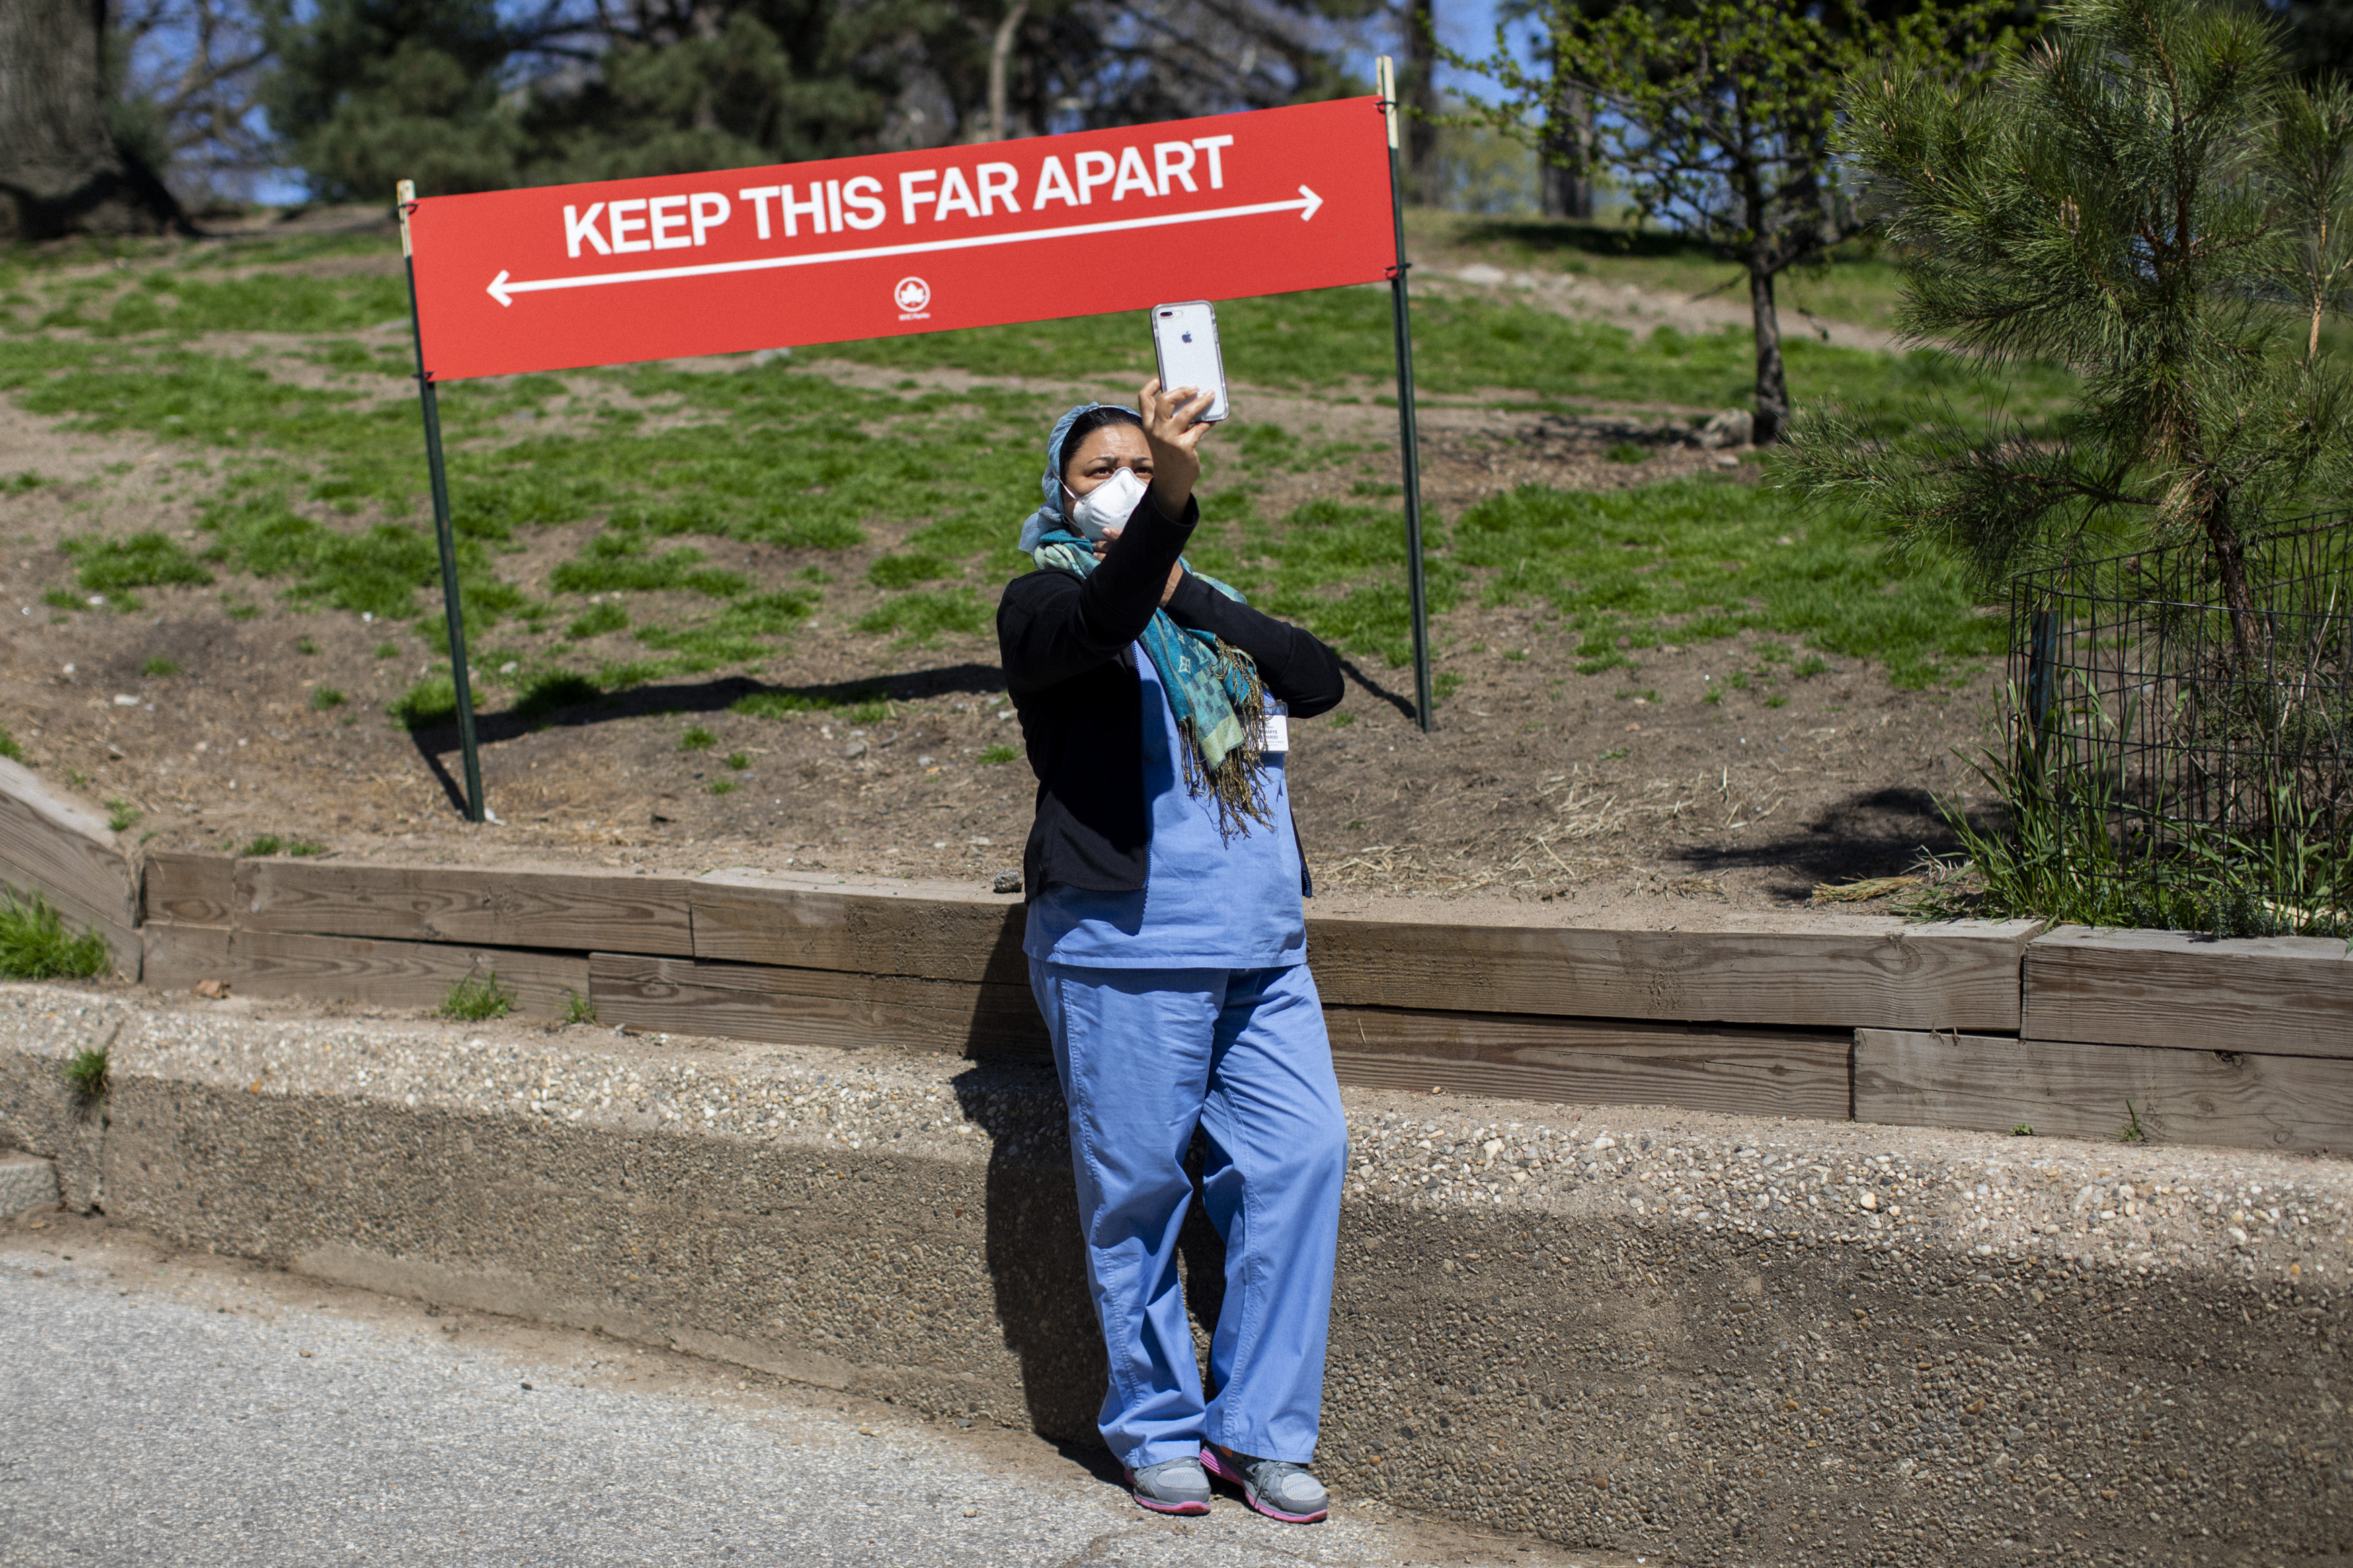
[503, 288]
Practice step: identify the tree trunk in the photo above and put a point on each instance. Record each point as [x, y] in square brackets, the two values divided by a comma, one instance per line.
[1568, 170]
[2250, 639]
[60, 171]
[1000, 56]
[1772, 418]
[1420, 90]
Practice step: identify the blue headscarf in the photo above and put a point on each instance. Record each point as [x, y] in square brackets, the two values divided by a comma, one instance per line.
[1213, 689]
[1050, 517]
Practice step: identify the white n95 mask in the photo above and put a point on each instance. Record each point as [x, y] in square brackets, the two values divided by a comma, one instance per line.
[1107, 507]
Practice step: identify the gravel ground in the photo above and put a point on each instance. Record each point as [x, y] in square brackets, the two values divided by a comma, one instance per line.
[161, 1409]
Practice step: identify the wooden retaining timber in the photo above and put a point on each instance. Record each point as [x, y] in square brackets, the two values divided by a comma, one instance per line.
[2063, 1089]
[1972, 1024]
[932, 930]
[1593, 1061]
[61, 848]
[189, 890]
[2288, 994]
[1810, 1015]
[1823, 972]
[180, 957]
[1798, 970]
[815, 1007]
[561, 910]
[366, 970]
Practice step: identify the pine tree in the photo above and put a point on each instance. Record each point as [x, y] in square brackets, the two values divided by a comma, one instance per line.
[2144, 195]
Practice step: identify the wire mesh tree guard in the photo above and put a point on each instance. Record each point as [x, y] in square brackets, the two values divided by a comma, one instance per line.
[2203, 741]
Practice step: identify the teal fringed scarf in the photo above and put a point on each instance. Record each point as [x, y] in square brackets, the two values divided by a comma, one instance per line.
[1215, 690]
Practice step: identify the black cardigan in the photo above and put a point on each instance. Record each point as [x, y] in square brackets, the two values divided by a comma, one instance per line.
[1064, 639]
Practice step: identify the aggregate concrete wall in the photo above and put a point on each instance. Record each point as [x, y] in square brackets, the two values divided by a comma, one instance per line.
[1712, 1339]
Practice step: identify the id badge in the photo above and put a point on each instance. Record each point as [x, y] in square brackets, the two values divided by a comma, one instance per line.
[1274, 738]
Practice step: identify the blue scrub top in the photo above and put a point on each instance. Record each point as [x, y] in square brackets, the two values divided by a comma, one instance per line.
[1208, 903]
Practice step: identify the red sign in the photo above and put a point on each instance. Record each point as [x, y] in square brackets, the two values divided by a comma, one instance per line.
[561, 275]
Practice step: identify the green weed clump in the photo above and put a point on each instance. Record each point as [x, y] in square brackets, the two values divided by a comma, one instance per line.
[146, 559]
[696, 739]
[992, 755]
[858, 708]
[11, 749]
[259, 527]
[702, 648]
[160, 667]
[906, 570]
[376, 570]
[596, 621]
[432, 700]
[89, 1074]
[263, 846]
[477, 998]
[326, 698]
[613, 562]
[737, 634]
[120, 814]
[36, 945]
[577, 1009]
[923, 617]
[551, 690]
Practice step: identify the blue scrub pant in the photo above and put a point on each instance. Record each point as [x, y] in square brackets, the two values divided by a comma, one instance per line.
[1145, 1056]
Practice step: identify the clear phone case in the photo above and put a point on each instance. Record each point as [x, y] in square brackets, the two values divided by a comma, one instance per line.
[1184, 343]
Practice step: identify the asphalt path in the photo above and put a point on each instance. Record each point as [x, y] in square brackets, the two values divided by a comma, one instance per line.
[160, 1408]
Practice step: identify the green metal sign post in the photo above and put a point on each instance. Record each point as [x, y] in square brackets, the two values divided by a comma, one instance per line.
[459, 676]
[1409, 439]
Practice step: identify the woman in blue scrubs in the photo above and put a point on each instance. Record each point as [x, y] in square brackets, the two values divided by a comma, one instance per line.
[1167, 950]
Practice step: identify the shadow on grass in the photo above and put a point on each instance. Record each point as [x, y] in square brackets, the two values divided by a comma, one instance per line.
[439, 740]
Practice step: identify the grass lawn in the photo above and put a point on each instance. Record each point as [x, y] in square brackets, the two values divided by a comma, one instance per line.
[301, 441]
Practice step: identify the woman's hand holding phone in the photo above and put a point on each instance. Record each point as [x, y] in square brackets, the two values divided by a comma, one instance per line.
[1171, 430]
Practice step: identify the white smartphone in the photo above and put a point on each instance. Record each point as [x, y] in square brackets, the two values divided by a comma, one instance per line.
[1185, 342]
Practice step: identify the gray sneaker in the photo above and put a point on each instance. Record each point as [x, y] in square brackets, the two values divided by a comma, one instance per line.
[1276, 1488]
[1172, 1486]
